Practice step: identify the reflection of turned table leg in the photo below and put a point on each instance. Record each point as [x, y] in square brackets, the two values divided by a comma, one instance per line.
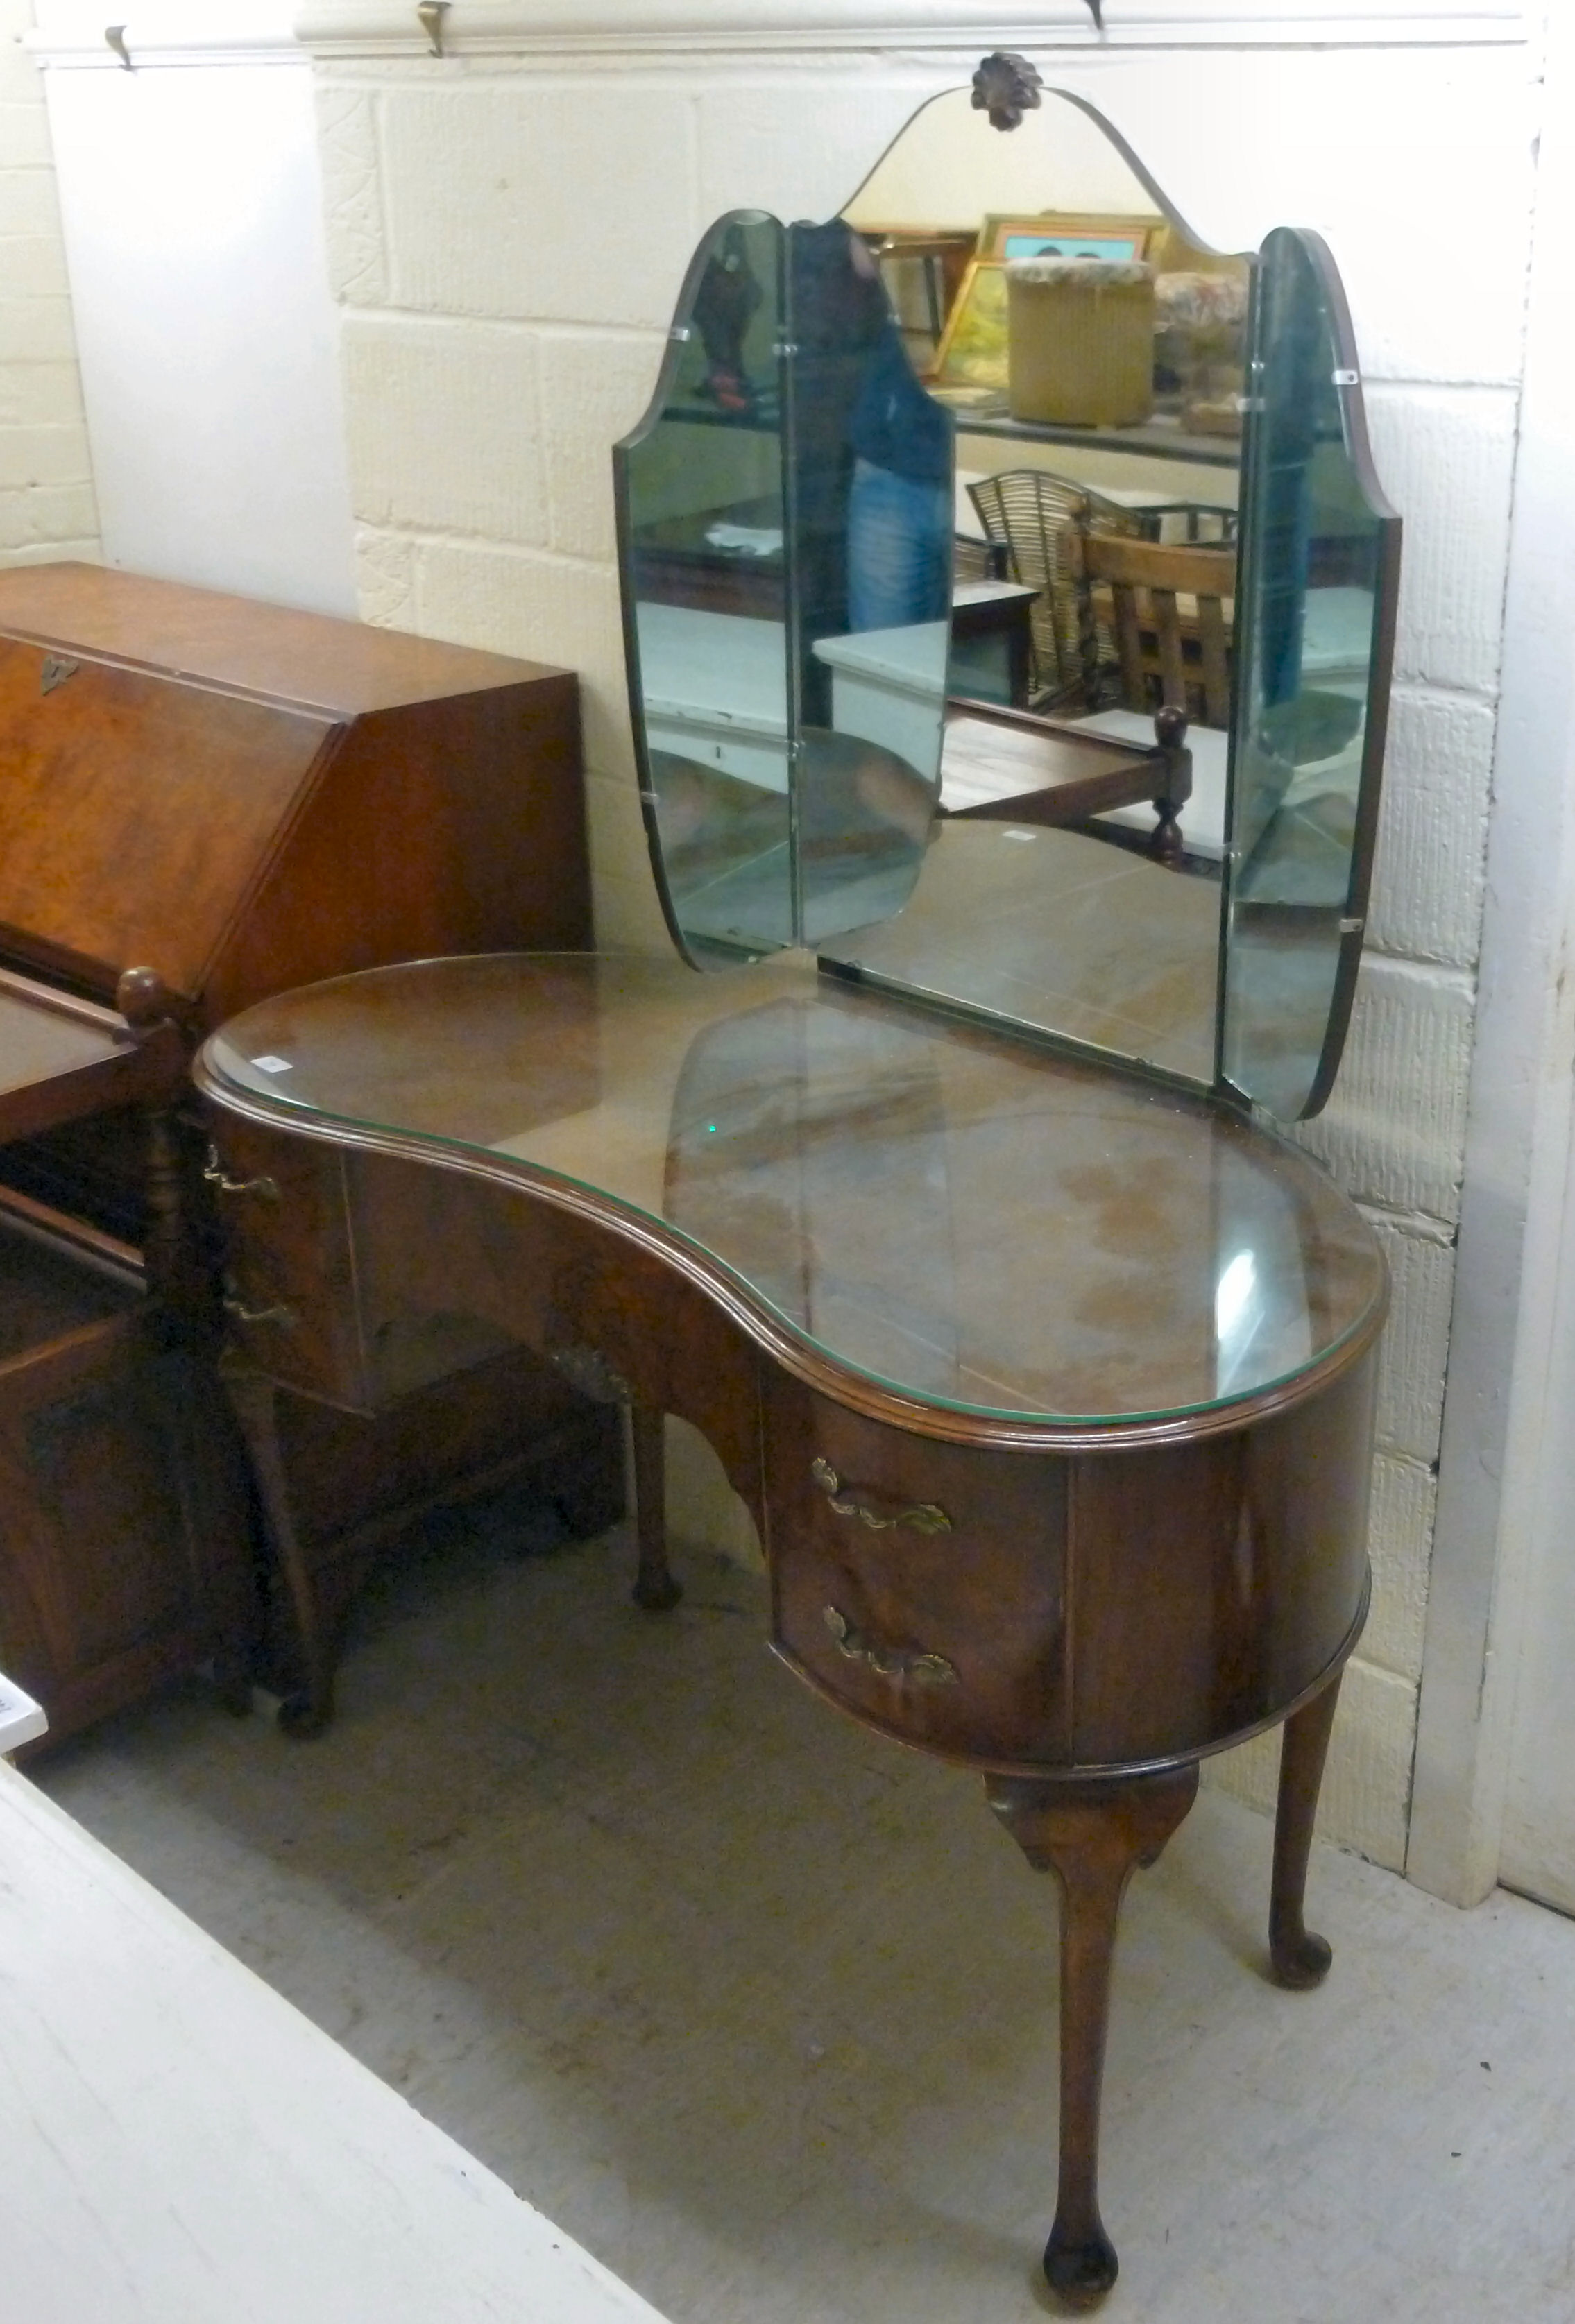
[1093, 1835]
[1300, 1958]
[654, 1586]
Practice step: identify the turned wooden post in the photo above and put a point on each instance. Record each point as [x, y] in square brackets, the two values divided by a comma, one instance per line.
[1093, 1835]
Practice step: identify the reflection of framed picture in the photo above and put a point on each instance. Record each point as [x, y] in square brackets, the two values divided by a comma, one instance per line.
[973, 352]
[1055, 234]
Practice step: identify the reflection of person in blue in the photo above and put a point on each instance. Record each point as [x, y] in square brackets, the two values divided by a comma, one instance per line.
[899, 505]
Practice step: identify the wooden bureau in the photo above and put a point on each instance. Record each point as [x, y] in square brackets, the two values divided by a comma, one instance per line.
[231, 798]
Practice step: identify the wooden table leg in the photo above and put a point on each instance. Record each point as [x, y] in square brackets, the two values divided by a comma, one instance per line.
[310, 1708]
[1093, 1836]
[1300, 1957]
[655, 1588]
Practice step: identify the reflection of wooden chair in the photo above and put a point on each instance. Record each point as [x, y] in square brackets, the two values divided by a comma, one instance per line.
[1037, 518]
[1170, 610]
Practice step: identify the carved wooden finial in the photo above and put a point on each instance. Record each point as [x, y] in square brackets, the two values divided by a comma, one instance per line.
[143, 999]
[1006, 86]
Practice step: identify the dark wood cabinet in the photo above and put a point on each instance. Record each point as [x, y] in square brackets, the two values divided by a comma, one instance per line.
[235, 798]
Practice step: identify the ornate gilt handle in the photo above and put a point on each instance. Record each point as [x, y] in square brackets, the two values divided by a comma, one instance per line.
[285, 1317]
[923, 1516]
[216, 1174]
[888, 1662]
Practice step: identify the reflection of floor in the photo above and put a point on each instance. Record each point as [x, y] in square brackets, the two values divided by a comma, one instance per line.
[862, 815]
[1061, 932]
[762, 2009]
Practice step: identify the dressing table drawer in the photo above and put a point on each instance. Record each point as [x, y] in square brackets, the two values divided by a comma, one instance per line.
[919, 1583]
[289, 1275]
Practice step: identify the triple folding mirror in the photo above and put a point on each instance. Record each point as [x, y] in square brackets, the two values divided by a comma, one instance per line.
[1010, 605]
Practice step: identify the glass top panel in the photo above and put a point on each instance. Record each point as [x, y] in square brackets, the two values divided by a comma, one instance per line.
[966, 1219]
[1318, 547]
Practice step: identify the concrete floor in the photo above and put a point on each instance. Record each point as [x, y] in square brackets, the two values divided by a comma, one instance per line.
[762, 2010]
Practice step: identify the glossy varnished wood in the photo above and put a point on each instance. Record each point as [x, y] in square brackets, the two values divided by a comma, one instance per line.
[1051, 1393]
[199, 786]
[237, 796]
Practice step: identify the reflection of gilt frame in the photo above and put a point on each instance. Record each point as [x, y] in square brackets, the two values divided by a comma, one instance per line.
[1076, 235]
[973, 352]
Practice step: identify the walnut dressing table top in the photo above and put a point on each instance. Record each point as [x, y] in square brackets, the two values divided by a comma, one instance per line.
[921, 1209]
[1050, 1390]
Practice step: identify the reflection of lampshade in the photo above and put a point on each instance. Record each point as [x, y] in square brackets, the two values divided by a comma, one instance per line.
[1080, 341]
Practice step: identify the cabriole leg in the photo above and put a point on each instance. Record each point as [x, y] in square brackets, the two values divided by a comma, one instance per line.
[1300, 1958]
[1093, 1836]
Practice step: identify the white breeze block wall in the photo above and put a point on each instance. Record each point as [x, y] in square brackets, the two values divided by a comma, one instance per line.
[508, 235]
[46, 478]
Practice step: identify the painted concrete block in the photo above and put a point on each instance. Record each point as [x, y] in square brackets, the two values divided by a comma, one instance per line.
[1429, 872]
[841, 123]
[43, 456]
[499, 200]
[28, 203]
[546, 608]
[34, 516]
[1447, 457]
[385, 578]
[34, 266]
[24, 134]
[1394, 1133]
[36, 331]
[87, 550]
[1400, 1543]
[617, 828]
[39, 394]
[1366, 1784]
[444, 430]
[352, 195]
[595, 388]
[1416, 1342]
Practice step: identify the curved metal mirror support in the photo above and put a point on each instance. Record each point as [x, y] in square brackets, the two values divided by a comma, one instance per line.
[1320, 560]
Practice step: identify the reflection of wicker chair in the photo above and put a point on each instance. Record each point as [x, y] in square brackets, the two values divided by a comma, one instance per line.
[1035, 516]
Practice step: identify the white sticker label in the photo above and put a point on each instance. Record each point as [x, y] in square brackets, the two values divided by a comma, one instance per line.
[1016, 834]
[273, 1064]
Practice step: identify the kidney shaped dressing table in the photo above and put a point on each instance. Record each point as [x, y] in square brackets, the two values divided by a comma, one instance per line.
[1045, 1367]
[1050, 1391]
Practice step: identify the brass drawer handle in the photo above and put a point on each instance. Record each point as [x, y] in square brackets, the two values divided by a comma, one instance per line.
[923, 1516]
[214, 1171]
[285, 1317]
[888, 1662]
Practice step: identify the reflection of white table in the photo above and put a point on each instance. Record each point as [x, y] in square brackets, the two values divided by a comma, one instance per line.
[178, 2144]
[1203, 819]
[889, 687]
[715, 689]
[1337, 636]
